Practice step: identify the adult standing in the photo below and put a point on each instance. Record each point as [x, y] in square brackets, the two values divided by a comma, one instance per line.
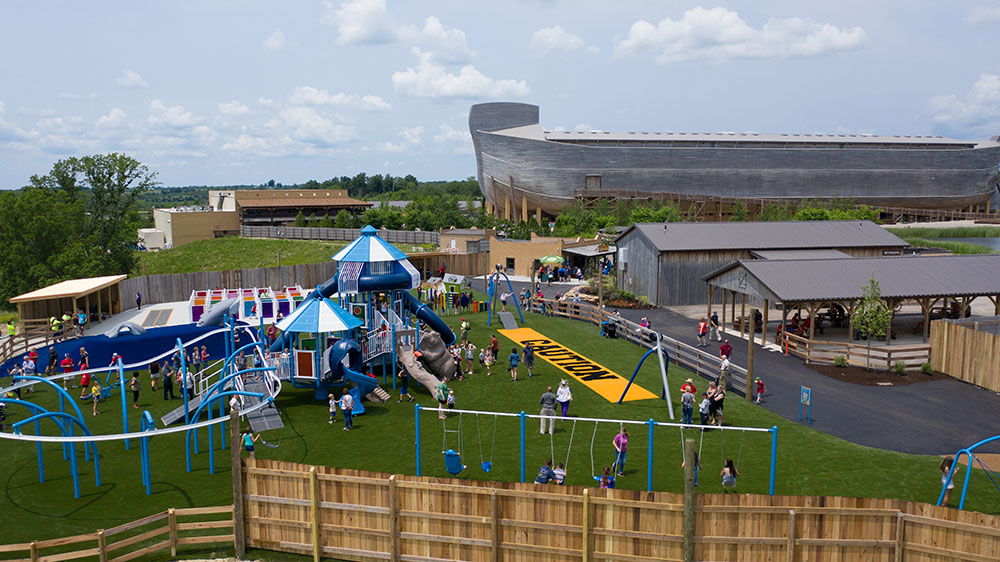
[725, 348]
[689, 386]
[135, 386]
[138, 300]
[724, 366]
[53, 364]
[67, 365]
[168, 382]
[713, 326]
[513, 359]
[620, 443]
[154, 375]
[529, 357]
[347, 407]
[494, 346]
[564, 396]
[548, 402]
[718, 400]
[687, 405]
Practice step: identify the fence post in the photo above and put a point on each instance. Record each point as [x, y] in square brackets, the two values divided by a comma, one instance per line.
[689, 499]
[102, 546]
[172, 530]
[236, 468]
[393, 519]
[790, 545]
[33, 551]
[314, 512]
[586, 523]
[495, 526]
[901, 535]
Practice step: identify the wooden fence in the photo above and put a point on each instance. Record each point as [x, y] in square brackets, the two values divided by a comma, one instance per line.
[360, 515]
[159, 532]
[701, 362]
[338, 234]
[877, 357]
[32, 334]
[965, 350]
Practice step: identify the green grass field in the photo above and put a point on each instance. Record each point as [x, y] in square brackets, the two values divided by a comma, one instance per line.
[218, 254]
[951, 232]
[809, 462]
[954, 247]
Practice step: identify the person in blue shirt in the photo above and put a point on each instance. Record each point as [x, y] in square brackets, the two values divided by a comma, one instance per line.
[529, 357]
[545, 473]
[513, 359]
[248, 440]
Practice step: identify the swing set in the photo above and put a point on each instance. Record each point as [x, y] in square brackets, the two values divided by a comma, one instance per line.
[453, 441]
[970, 454]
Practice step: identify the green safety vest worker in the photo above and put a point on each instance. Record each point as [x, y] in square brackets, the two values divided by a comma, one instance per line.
[55, 323]
[66, 319]
[11, 329]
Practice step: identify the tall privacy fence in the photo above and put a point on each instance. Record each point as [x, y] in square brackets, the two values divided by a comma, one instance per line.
[165, 531]
[337, 234]
[360, 515]
[968, 349]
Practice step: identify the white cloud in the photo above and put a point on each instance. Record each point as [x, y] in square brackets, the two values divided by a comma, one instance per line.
[266, 102]
[448, 45]
[977, 108]
[389, 147]
[983, 14]
[233, 108]
[115, 119]
[174, 116]
[413, 135]
[307, 95]
[274, 41]
[459, 140]
[306, 125]
[718, 34]
[360, 21]
[131, 79]
[557, 42]
[583, 128]
[431, 80]
[76, 97]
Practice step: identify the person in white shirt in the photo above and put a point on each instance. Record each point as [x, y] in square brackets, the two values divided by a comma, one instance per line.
[347, 407]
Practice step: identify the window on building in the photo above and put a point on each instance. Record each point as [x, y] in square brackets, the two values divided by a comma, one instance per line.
[510, 264]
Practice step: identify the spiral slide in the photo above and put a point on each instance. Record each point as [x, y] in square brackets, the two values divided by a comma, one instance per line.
[343, 357]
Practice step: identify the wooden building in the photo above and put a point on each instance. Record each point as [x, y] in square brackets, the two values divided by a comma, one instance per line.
[666, 262]
[99, 296]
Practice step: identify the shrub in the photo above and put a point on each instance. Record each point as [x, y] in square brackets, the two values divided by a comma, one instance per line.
[899, 367]
[926, 368]
[643, 300]
[627, 295]
[840, 361]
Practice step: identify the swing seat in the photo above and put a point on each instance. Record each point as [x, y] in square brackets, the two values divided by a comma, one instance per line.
[453, 462]
[487, 466]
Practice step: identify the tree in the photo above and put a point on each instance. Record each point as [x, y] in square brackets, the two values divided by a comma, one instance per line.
[872, 315]
[326, 222]
[343, 219]
[300, 219]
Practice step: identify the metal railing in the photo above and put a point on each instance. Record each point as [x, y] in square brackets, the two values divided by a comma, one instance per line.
[862, 355]
[337, 234]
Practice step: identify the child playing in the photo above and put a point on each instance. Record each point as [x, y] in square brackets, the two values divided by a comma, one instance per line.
[451, 399]
[703, 408]
[514, 358]
[759, 390]
[489, 360]
[95, 394]
[529, 357]
[470, 355]
[404, 385]
[559, 474]
[729, 474]
[607, 481]
[333, 407]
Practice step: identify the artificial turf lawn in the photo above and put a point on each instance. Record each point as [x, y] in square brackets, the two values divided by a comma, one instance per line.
[809, 462]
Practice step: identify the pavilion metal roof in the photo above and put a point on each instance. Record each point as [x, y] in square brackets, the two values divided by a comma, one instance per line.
[898, 277]
[778, 235]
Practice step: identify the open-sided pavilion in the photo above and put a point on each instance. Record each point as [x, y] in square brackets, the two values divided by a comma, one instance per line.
[95, 295]
[932, 282]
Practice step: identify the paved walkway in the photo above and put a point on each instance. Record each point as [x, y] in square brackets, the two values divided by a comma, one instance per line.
[929, 418]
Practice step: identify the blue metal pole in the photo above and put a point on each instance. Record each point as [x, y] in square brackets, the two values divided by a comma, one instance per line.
[144, 448]
[180, 349]
[523, 417]
[97, 466]
[416, 429]
[72, 465]
[774, 460]
[38, 451]
[965, 484]
[121, 388]
[211, 446]
[651, 424]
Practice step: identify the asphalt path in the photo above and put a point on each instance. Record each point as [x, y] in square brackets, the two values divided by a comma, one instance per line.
[932, 418]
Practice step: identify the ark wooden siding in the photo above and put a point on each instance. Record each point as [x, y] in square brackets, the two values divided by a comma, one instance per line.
[367, 515]
[961, 351]
[642, 259]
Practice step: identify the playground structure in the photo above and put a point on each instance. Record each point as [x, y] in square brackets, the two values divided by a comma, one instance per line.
[492, 296]
[453, 458]
[254, 303]
[372, 284]
[970, 455]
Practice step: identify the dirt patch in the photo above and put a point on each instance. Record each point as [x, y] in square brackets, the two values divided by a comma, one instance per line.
[858, 375]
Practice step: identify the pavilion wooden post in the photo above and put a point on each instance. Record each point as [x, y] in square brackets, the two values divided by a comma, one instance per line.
[725, 293]
[813, 309]
[743, 315]
[100, 305]
[711, 295]
[784, 325]
[732, 317]
[996, 304]
[763, 329]
[748, 388]
[850, 321]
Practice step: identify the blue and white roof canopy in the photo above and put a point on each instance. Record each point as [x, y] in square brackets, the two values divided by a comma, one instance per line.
[318, 315]
[359, 256]
[369, 248]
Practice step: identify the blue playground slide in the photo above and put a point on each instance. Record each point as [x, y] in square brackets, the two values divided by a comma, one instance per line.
[363, 384]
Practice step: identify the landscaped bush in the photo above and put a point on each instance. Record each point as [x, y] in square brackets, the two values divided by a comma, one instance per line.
[840, 361]
[926, 368]
[899, 367]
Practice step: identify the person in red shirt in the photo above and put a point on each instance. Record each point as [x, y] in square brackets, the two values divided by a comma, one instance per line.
[760, 389]
[688, 386]
[726, 349]
[702, 332]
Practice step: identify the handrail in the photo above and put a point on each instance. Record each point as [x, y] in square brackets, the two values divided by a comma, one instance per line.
[701, 362]
[819, 351]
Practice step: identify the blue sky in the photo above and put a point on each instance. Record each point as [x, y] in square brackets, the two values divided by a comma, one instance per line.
[229, 92]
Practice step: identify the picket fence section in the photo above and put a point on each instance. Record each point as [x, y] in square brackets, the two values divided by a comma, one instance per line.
[361, 515]
[968, 349]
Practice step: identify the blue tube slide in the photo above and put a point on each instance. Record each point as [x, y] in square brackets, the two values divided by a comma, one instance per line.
[390, 282]
[363, 384]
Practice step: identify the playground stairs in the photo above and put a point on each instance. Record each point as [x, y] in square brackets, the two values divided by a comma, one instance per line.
[265, 418]
[178, 412]
[507, 319]
[377, 395]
